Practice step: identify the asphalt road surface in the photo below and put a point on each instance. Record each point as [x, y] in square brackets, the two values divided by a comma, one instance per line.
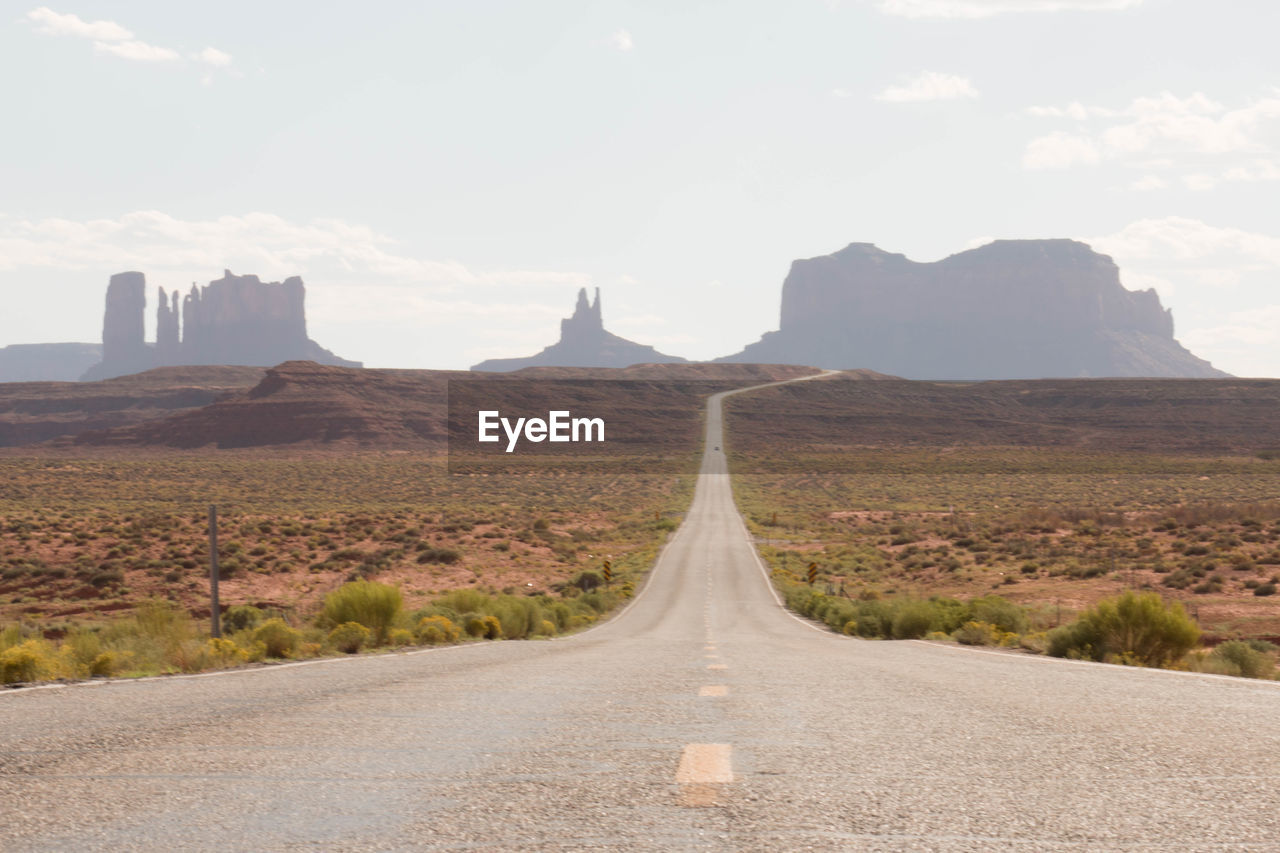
[703, 717]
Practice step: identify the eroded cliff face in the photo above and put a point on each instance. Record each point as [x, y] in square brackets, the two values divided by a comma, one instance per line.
[1013, 309]
[243, 320]
[234, 320]
[122, 324]
[584, 342]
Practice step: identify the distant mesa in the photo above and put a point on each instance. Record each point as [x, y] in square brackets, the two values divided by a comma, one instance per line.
[1013, 309]
[236, 320]
[584, 343]
[47, 362]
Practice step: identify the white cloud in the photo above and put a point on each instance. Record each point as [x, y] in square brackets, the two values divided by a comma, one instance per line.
[1245, 340]
[1149, 182]
[112, 39]
[987, 8]
[1194, 124]
[213, 56]
[1174, 240]
[841, 93]
[1199, 182]
[136, 51]
[51, 23]
[1074, 110]
[1168, 132]
[1258, 170]
[621, 40]
[1059, 150]
[930, 86]
[262, 243]
[1219, 282]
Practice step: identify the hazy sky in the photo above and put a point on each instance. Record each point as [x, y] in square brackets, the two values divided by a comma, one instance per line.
[445, 175]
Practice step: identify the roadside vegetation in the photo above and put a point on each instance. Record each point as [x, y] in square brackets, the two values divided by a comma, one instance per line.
[104, 561]
[1044, 550]
[360, 616]
[1132, 629]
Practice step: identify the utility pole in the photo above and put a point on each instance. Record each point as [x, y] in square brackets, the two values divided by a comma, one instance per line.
[216, 617]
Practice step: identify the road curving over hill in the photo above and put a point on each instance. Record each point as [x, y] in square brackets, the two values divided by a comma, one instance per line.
[704, 716]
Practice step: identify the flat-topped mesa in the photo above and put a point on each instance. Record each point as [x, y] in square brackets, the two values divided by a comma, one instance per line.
[1013, 309]
[584, 342]
[234, 320]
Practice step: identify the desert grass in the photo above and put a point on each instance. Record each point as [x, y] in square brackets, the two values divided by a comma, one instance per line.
[1054, 530]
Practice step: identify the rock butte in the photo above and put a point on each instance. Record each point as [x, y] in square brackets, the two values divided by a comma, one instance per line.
[584, 343]
[1013, 309]
[235, 320]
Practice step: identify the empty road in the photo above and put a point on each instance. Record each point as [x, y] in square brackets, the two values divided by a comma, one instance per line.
[703, 717]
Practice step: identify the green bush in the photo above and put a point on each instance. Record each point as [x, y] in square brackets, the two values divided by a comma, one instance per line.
[277, 638]
[373, 605]
[1244, 659]
[446, 556]
[242, 617]
[1141, 628]
[1000, 612]
[912, 621]
[349, 637]
[81, 647]
[977, 634]
[11, 636]
[520, 617]
[587, 581]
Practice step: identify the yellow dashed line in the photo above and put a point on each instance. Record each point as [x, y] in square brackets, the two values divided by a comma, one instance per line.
[704, 769]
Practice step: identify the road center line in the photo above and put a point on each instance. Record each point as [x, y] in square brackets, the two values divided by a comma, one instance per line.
[704, 769]
[714, 690]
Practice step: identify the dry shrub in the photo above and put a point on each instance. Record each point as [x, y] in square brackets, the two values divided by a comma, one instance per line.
[376, 606]
[27, 661]
[434, 630]
[278, 640]
[349, 637]
[1241, 658]
[1134, 628]
[977, 634]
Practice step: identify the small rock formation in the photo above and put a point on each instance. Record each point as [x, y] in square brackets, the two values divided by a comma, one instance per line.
[1013, 309]
[235, 320]
[584, 343]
